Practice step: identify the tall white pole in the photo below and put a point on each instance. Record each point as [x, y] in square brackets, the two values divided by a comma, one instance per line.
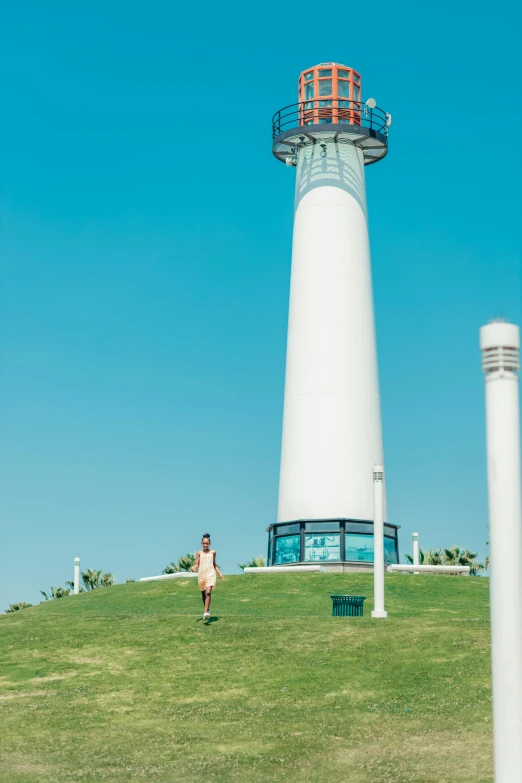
[76, 575]
[500, 344]
[415, 549]
[378, 543]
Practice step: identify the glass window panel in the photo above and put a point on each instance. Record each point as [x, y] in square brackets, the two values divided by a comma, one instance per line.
[344, 104]
[390, 553]
[309, 76]
[309, 91]
[325, 120]
[325, 103]
[327, 72]
[322, 546]
[359, 527]
[283, 530]
[355, 92]
[343, 89]
[325, 87]
[390, 531]
[343, 74]
[358, 548]
[319, 527]
[288, 549]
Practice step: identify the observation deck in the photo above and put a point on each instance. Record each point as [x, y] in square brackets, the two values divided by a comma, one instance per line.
[343, 121]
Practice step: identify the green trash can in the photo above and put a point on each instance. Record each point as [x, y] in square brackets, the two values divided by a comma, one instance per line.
[348, 605]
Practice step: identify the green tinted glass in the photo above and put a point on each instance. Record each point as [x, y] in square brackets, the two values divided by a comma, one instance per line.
[325, 87]
[288, 549]
[358, 549]
[322, 547]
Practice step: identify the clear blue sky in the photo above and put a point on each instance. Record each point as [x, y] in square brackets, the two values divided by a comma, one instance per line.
[145, 249]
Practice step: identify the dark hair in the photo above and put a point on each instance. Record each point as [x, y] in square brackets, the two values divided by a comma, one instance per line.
[205, 535]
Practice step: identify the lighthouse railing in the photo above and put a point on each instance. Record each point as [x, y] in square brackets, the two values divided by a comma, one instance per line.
[334, 111]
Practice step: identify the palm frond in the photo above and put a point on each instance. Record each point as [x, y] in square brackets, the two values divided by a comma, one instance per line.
[17, 607]
[256, 562]
[172, 568]
[186, 562]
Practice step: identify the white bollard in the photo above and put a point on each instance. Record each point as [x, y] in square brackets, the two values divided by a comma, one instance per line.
[500, 344]
[378, 543]
[76, 576]
[415, 550]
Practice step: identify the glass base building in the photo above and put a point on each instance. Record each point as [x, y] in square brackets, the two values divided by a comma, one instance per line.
[344, 544]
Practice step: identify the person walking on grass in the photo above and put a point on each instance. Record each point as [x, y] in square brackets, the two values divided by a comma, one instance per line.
[207, 570]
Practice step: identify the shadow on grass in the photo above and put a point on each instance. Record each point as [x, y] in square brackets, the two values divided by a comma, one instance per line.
[207, 622]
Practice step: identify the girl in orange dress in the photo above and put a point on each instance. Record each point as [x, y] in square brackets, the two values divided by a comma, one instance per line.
[207, 570]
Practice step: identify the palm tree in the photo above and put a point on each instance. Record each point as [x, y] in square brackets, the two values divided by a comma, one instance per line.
[457, 556]
[56, 592]
[17, 607]
[172, 568]
[93, 579]
[185, 563]
[429, 557]
[71, 585]
[256, 562]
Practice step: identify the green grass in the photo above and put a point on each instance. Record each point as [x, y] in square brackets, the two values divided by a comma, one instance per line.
[129, 684]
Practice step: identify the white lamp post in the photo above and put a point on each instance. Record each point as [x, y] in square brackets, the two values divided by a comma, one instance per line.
[415, 550]
[378, 543]
[76, 575]
[500, 344]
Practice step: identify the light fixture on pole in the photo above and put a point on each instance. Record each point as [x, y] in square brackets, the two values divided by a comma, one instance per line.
[500, 346]
[378, 543]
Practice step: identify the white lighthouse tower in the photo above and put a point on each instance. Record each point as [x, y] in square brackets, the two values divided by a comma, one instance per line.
[332, 434]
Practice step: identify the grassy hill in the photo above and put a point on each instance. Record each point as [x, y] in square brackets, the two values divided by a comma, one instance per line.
[129, 684]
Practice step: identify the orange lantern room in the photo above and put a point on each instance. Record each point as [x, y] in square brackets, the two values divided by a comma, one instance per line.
[330, 93]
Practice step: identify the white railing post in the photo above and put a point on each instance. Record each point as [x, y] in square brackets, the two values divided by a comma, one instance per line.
[500, 344]
[76, 575]
[378, 543]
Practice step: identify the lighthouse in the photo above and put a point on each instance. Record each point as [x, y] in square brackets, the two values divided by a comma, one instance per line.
[332, 434]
